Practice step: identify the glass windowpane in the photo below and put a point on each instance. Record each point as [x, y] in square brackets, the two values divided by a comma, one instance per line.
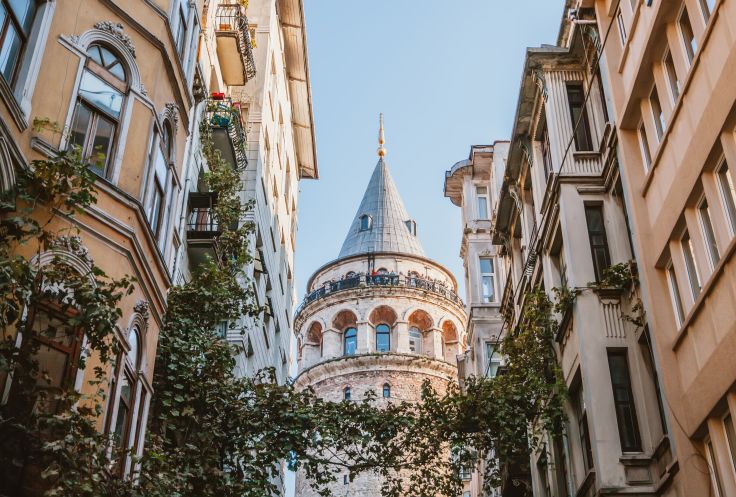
[9, 52]
[100, 94]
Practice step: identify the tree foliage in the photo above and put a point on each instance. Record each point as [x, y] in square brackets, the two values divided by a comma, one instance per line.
[210, 432]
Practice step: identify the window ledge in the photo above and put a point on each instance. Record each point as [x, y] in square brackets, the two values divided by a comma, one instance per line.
[6, 94]
[635, 459]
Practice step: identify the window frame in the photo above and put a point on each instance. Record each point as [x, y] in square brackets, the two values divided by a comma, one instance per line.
[644, 146]
[660, 123]
[483, 198]
[418, 340]
[621, 25]
[630, 404]
[350, 333]
[491, 276]
[675, 294]
[730, 438]
[581, 415]
[690, 50]
[598, 271]
[713, 472]
[386, 391]
[707, 230]
[727, 194]
[492, 358]
[585, 122]
[384, 330]
[691, 264]
[670, 73]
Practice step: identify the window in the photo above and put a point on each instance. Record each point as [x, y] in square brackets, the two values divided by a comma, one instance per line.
[730, 438]
[675, 294]
[623, 399]
[55, 347]
[181, 30]
[728, 195]
[481, 195]
[383, 338]
[621, 26]
[692, 267]
[644, 144]
[351, 341]
[492, 360]
[688, 35]
[346, 393]
[713, 468]
[16, 21]
[386, 391]
[597, 238]
[366, 222]
[546, 153]
[671, 73]
[488, 279]
[99, 106]
[411, 225]
[415, 340]
[578, 400]
[345, 479]
[579, 116]
[657, 113]
[709, 235]
[707, 6]
[645, 345]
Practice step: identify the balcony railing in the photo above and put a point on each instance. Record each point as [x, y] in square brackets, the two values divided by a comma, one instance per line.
[228, 135]
[380, 280]
[234, 45]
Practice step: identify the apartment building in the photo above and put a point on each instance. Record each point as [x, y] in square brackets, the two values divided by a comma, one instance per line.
[252, 77]
[473, 185]
[114, 78]
[562, 223]
[671, 68]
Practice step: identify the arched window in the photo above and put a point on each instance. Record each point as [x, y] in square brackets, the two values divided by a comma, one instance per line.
[383, 338]
[102, 89]
[351, 341]
[386, 391]
[366, 222]
[134, 352]
[346, 393]
[415, 340]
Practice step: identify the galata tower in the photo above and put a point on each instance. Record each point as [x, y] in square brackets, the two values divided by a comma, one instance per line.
[381, 317]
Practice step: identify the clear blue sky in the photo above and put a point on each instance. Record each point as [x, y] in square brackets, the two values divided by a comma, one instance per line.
[446, 76]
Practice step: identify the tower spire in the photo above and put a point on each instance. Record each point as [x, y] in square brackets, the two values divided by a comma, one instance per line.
[381, 139]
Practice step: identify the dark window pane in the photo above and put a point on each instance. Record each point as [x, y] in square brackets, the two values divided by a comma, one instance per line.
[102, 142]
[383, 338]
[9, 52]
[24, 11]
[623, 399]
[579, 116]
[597, 238]
[158, 200]
[80, 125]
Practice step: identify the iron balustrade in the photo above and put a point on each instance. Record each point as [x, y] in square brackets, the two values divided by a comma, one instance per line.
[230, 17]
[222, 114]
[380, 280]
[202, 220]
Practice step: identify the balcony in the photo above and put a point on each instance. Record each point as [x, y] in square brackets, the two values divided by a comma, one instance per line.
[228, 136]
[202, 227]
[363, 280]
[234, 45]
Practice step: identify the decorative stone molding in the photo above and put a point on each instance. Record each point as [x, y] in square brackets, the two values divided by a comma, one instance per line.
[74, 246]
[171, 113]
[141, 308]
[116, 29]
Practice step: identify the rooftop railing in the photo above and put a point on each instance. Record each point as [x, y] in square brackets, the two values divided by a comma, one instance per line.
[357, 280]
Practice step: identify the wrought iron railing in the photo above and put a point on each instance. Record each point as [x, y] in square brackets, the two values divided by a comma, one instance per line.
[230, 17]
[221, 113]
[373, 280]
[202, 221]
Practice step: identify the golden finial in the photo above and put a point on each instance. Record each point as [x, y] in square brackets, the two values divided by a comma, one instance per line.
[381, 139]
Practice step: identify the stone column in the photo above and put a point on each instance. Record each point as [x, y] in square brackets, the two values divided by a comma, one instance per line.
[400, 338]
[332, 344]
[435, 339]
[365, 338]
[310, 355]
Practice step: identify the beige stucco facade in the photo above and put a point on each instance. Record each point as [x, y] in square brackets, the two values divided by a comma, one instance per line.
[671, 68]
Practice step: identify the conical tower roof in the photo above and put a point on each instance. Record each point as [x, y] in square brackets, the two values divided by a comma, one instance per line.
[388, 227]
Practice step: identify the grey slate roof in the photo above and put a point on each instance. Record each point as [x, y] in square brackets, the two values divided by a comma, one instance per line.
[389, 231]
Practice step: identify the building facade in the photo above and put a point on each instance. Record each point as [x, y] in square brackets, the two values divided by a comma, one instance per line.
[113, 78]
[253, 80]
[473, 185]
[670, 68]
[380, 317]
[562, 223]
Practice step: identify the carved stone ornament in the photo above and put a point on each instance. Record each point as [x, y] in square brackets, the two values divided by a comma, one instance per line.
[141, 307]
[116, 29]
[171, 112]
[73, 245]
